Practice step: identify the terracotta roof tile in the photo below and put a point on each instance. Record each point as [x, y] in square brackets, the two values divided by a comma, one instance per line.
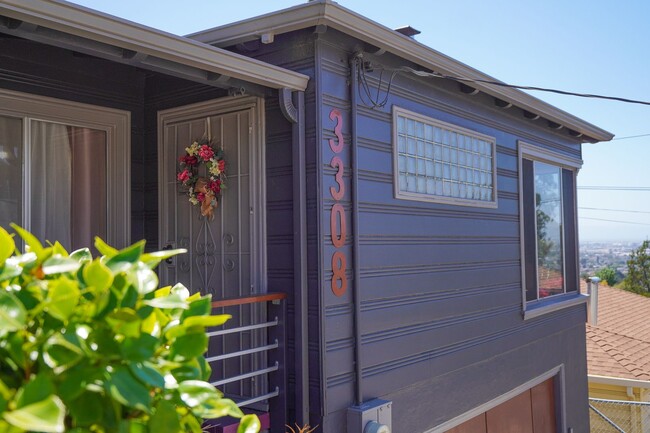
[619, 345]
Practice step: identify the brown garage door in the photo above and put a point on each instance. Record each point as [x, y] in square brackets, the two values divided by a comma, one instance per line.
[532, 411]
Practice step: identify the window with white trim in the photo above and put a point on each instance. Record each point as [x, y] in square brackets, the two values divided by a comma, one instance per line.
[440, 162]
[64, 169]
[548, 223]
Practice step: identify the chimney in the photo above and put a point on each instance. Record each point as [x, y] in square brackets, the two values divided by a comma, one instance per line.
[592, 314]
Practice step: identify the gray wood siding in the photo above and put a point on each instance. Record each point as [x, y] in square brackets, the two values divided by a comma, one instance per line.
[441, 324]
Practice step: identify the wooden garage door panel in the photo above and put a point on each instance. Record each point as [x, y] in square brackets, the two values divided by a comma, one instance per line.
[543, 400]
[474, 425]
[513, 416]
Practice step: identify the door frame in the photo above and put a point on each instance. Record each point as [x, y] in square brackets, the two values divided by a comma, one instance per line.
[257, 128]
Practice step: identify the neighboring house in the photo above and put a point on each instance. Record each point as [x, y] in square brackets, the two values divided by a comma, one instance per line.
[424, 235]
[618, 355]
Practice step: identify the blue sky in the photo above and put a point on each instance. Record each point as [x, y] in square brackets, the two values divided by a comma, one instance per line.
[592, 46]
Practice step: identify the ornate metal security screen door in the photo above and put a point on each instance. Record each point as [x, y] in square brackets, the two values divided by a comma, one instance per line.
[225, 255]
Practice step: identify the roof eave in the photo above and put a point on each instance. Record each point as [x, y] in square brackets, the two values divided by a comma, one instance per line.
[607, 380]
[333, 15]
[87, 23]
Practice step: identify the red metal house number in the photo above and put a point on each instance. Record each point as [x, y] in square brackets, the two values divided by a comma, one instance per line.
[338, 228]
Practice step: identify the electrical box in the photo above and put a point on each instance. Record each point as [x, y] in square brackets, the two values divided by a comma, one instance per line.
[373, 416]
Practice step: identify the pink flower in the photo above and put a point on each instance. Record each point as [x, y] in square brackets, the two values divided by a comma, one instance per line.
[222, 165]
[183, 176]
[215, 186]
[206, 152]
[200, 197]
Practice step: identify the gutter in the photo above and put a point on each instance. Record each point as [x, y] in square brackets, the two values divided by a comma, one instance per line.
[142, 40]
[326, 12]
[606, 380]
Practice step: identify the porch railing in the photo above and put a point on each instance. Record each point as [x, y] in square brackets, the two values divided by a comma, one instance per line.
[247, 354]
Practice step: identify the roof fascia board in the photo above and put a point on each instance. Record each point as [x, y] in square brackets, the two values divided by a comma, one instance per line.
[606, 380]
[80, 21]
[360, 27]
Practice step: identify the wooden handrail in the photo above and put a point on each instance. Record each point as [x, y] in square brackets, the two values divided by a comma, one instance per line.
[266, 297]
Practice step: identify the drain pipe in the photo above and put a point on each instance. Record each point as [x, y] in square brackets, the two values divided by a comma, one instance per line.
[355, 228]
[295, 113]
[593, 300]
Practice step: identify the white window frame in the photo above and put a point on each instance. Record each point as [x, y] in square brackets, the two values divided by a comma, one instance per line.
[117, 126]
[535, 308]
[434, 198]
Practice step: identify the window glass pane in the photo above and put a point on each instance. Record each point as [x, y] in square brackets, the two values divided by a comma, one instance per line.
[548, 209]
[67, 183]
[11, 165]
[443, 157]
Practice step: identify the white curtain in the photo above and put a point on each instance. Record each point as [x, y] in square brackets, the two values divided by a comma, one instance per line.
[11, 179]
[51, 180]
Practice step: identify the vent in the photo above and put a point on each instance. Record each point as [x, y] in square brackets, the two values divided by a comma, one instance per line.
[408, 31]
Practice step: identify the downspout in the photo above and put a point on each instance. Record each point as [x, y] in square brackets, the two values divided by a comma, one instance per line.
[354, 160]
[295, 113]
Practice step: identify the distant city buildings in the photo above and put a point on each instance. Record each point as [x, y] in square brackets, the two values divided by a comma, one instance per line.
[598, 255]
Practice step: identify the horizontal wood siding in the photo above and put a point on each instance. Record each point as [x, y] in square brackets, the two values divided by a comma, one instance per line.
[441, 324]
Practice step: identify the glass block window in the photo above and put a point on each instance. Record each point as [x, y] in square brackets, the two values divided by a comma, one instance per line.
[437, 161]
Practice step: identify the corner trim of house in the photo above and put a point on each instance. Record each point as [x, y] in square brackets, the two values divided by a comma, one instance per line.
[556, 371]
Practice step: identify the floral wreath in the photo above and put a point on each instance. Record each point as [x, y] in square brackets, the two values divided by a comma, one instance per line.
[203, 190]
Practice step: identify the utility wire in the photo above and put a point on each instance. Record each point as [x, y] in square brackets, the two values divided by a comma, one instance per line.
[614, 221]
[615, 188]
[516, 86]
[630, 136]
[614, 210]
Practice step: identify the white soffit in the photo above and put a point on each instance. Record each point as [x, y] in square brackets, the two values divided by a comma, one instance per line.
[87, 23]
[326, 12]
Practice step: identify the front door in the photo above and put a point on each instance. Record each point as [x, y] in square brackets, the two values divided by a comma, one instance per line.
[225, 254]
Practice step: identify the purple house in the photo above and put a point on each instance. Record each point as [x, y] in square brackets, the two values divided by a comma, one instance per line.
[398, 250]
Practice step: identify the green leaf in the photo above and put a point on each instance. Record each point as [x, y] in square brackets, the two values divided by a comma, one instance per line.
[153, 259]
[168, 302]
[198, 307]
[125, 321]
[63, 298]
[12, 313]
[249, 424]
[125, 258]
[189, 346]
[9, 271]
[7, 246]
[165, 419]
[218, 407]
[14, 346]
[103, 248]
[82, 255]
[45, 416]
[139, 349]
[57, 248]
[58, 264]
[181, 291]
[143, 279]
[97, 275]
[207, 321]
[37, 389]
[196, 393]
[147, 374]
[60, 354]
[34, 245]
[87, 409]
[124, 387]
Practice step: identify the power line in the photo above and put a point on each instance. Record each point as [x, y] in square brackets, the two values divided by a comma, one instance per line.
[616, 188]
[614, 221]
[516, 86]
[630, 136]
[614, 210]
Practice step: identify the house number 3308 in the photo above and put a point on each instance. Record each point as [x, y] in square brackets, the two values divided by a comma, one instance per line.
[338, 228]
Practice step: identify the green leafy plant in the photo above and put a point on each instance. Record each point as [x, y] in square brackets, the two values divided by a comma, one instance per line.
[93, 345]
[638, 270]
[608, 275]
